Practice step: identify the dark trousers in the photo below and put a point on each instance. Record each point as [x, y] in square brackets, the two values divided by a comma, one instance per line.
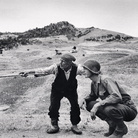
[116, 112]
[55, 99]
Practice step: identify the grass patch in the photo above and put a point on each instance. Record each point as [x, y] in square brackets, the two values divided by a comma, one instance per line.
[12, 89]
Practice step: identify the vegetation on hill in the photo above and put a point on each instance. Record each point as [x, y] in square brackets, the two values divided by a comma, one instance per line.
[61, 28]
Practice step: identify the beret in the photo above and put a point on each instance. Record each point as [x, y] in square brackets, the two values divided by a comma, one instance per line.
[68, 57]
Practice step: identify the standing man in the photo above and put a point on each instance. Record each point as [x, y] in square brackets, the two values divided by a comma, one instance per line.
[64, 85]
[115, 105]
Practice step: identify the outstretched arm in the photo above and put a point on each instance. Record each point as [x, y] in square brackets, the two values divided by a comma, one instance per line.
[26, 73]
[40, 71]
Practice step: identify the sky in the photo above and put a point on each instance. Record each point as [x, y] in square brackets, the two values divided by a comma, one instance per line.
[114, 15]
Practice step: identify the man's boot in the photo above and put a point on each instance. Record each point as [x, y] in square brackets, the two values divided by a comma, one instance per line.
[112, 127]
[120, 130]
[75, 130]
[54, 128]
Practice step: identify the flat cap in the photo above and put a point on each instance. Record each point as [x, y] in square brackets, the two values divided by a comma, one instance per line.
[68, 57]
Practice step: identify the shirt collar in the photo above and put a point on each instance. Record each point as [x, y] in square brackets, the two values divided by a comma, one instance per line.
[99, 79]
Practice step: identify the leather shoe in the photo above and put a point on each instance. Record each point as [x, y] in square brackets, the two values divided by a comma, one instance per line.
[110, 132]
[53, 129]
[118, 133]
[112, 127]
[75, 130]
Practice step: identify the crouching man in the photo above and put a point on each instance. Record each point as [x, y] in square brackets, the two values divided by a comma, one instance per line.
[115, 105]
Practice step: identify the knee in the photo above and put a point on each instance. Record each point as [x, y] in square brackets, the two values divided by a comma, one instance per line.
[109, 110]
[90, 105]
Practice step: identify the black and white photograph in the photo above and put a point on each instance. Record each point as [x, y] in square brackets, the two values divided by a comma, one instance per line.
[68, 68]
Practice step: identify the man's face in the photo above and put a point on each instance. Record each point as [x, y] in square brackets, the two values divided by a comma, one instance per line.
[87, 73]
[65, 64]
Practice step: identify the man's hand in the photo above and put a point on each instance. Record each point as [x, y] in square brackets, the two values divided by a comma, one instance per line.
[94, 110]
[23, 74]
[93, 116]
[83, 104]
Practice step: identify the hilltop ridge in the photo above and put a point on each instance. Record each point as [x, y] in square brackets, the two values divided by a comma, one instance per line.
[91, 34]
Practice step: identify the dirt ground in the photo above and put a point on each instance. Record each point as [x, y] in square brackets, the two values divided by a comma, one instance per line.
[28, 98]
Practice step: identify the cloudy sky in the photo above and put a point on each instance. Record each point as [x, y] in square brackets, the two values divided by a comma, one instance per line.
[115, 15]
